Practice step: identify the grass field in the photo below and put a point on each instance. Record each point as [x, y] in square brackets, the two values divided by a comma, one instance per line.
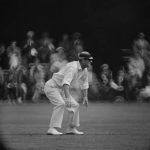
[107, 126]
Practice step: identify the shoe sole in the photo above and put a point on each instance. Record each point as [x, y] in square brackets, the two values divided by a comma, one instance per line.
[71, 133]
[54, 134]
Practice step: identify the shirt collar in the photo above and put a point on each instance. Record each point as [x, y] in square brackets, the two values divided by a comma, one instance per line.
[79, 66]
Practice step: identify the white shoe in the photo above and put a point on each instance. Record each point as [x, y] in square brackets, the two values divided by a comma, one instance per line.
[53, 131]
[74, 131]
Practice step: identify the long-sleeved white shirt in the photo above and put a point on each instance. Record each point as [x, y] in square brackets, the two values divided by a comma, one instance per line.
[73, 75]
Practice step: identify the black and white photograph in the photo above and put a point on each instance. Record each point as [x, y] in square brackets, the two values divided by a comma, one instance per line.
[74, 75]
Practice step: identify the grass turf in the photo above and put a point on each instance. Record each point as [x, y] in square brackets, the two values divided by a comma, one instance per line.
[107, 126]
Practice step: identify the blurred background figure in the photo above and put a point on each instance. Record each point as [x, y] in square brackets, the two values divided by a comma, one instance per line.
[12, 90]
[105, 79]
[105, 74]
[2, 85]
[66, 44]
[121, 77]
[120, 81]
[46, 48]
[144, 93]
[4, 62]
[136, 69]
[29, 51]
[76, 46]
[14, 55]
[4, 66]
[94, 84]
[141, 45]
[57, 60]
[37, 77]
[15, 61]
[22, 90]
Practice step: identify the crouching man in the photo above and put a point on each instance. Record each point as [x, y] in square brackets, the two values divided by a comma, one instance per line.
[57, 90]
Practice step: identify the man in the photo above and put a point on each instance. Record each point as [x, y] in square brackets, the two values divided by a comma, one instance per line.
[141, 45]
[57, 89]
[29, 51]
[46, 48]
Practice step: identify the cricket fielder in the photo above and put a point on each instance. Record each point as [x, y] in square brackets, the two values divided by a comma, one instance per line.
[58, 91]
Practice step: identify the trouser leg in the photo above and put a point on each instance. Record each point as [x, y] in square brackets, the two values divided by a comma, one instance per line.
[73, 113]
[56, 99]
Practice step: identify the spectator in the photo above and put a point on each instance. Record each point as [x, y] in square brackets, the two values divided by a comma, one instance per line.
[144, 93]
[77, 46]
[141, 45]
[46, 49]
[57, 60]
[37, 76]
[4, 61]
[105, 80]
[14, 54]
[21, 73]
[134, 80]
[119, 92]
[66, 44]
[12, 86]
[106, 74]
[1, 84]
[29, 52]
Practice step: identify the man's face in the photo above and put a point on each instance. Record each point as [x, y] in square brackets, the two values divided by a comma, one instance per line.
[85, 63]
[14, 44]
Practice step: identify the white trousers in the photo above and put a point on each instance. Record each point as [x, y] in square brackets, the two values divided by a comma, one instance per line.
[54, 94]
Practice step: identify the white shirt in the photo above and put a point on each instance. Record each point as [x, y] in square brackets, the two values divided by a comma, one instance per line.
[72, 75]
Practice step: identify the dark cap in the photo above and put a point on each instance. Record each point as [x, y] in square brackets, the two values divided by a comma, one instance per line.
[85, 55]
[104, 66]
[60, 48]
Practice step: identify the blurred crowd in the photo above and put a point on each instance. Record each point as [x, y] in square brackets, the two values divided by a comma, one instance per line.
[132, 80]
[24, 69]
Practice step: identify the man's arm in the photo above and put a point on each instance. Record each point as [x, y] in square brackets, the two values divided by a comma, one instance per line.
[85, 97]
[67, 95]
[68, 77]
[66, 91]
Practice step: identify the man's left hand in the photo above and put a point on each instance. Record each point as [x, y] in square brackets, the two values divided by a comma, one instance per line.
[85, 101]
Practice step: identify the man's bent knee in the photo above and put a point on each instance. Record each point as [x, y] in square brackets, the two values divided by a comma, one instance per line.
[62, 104]
[76, 105]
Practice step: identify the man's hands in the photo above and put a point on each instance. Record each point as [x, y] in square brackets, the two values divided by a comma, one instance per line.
[67, 95]
[68, 102]
[85, 101]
